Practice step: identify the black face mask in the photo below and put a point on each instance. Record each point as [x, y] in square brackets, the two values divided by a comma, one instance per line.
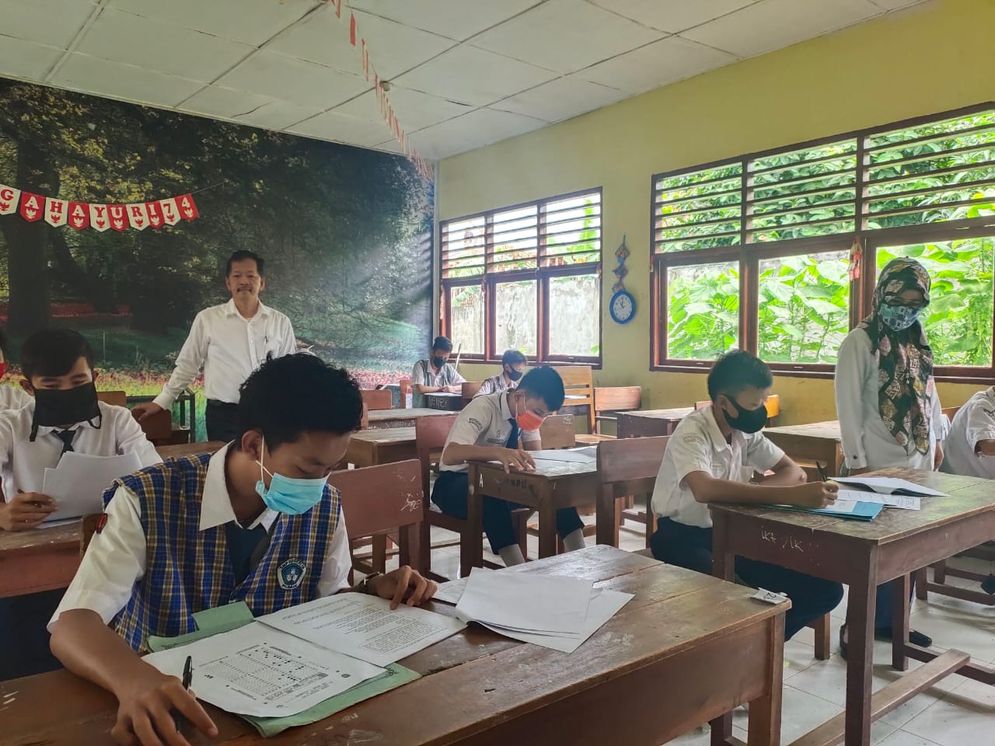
[438, 362]
[514, 375]
[56, 407]
[747, 420]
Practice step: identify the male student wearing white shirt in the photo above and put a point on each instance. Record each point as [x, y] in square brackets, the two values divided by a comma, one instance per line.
[435, 373]
[712, 456]
[63, 415]
[512, 369]
[228, 342]
[970, 443]
[12, 396]
[256, 522]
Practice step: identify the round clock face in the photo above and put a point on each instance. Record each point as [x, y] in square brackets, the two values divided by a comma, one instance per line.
[623, 307]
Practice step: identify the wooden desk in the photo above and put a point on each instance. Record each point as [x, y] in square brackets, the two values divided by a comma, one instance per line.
[549, 488]
[372, 447]
[814, 442]
[189, 449]
[685, 650]
[864, 555]
[649, 422]
[384, 418]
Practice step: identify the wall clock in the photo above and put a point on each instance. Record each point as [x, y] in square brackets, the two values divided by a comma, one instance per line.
[622, 305]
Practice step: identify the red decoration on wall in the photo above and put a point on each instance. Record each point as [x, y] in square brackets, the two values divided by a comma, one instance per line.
[32, 206]
[119, 217]
[79, 215]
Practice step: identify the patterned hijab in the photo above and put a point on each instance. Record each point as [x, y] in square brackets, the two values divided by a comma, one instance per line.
[905, 363]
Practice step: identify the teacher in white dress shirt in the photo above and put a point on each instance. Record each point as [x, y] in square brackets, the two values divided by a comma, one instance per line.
[228, 342]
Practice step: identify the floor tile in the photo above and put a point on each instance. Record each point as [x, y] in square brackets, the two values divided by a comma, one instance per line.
[966, 716]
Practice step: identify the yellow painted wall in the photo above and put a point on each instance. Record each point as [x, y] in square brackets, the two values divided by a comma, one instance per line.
[927, 59]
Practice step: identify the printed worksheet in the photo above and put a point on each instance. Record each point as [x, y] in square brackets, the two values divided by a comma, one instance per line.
[906, 502]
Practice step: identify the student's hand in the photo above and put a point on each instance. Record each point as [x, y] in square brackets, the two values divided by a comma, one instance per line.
[403, 585]
[814, 494]
[26, 510]
[141, 411]
[144, 714]
[515, 459]
[453, 389]
[938, 457]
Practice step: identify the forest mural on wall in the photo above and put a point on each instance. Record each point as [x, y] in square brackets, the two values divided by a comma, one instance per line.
[346, 234]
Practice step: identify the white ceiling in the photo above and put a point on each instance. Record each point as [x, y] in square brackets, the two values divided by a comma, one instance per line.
[464, 73]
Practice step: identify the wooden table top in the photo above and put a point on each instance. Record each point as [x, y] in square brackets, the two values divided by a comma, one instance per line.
[385, 435]
[385, 415]
[968, 496]
[189, 449]
[470, 682]
[551, 470]
[829, 430]
[675, 413]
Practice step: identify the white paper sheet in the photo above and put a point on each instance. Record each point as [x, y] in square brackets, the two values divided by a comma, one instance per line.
[364, 626]
[576, 456]
[889, 485]
[526, 602]
[906, 502]
[79, 481]
[257, 670]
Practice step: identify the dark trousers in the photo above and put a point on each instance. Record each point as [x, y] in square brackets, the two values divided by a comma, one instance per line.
[691, 547]
[449, 493]
[886, 604]
[24, 635]
[222, 423]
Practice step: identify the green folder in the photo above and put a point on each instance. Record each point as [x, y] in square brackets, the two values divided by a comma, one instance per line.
[235, 615]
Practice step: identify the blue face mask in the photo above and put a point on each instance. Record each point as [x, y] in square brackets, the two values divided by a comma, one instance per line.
[289, 495]
[899, 318]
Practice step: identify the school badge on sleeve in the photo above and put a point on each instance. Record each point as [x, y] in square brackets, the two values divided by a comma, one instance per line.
[290, 574]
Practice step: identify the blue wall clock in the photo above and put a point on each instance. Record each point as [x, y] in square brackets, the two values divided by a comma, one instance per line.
[622, 306]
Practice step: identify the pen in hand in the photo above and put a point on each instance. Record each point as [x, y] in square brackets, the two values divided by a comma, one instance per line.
[187, 678]
[822, 472]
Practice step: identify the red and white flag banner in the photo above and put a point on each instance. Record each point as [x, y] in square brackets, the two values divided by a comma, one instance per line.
[100, 217]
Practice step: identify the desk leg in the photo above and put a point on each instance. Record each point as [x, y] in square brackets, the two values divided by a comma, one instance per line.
[472, 540]
[724, 566]
[900, 623]
[547, 524]
[765, 712]
[607, 523]
[861, 606]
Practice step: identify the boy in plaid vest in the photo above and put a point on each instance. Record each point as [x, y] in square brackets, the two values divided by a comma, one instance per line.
[255, 522]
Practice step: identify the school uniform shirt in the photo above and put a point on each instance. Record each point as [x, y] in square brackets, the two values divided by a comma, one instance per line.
[229, 348]
[699, 445]
[23, 462]
[495, 384]
[13, 397]
[424, 375]
[485, 421]
[974, 422]
[867, 443]
[117, 559]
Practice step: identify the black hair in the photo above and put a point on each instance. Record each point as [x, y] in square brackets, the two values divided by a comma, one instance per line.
[290, 395]
[3, 343]
[546, 384]
[442, 344]
[53, 352]
[513, 357]
[242, 255]
[736, 371]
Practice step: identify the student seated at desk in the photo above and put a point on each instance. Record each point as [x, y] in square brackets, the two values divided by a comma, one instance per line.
[64, 415]
[970, 443]
[512, 369]
[711, 457]
[12, 396]
[489, 429]
[435, 374]
[255, 522]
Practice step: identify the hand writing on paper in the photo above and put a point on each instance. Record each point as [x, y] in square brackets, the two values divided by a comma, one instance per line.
[814, 494]
[145, 716]
[403, 585]
[26, 510]
[515, 459]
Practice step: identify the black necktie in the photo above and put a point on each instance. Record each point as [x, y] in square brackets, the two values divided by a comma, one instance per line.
[512, 441]
[66, 436]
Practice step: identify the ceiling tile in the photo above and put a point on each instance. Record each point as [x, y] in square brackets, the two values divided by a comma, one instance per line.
[162, 47]
[393, 48]
[655, 65]
[278, 115]
[339, 128]
[299, 82]
[228, 103]
[565, 35]
[896, 4]
[415, 110]
[561, 99]
[81, 72]
[774, 24]
[389, 146]
[52, 22]
[457, 19]
[474, 130]
[672, 15]
[474, 76]
[249, 21]
[22, 59]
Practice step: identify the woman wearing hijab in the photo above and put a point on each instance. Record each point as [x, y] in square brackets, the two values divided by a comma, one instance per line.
[886, 399]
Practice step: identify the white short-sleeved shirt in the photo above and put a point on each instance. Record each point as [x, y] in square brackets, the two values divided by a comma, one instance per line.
[23, 463]
[423, 374]
[974, 422]
[698, 445]
[485, 421]
[496, 384]
[116, 559]
[867, 443]
[13, 396]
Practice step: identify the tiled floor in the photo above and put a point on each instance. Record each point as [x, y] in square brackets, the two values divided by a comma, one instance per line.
[956, 712]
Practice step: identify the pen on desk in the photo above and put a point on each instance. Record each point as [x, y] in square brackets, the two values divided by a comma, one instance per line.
[822, 472]
[187, 678]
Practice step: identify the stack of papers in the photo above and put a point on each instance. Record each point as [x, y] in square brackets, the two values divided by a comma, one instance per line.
[587, 455]
[77, 484]
[552, 611]
[843, 508]
[890, 486]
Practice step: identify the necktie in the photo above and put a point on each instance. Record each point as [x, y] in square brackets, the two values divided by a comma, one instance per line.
[512, 441]
[66, 436]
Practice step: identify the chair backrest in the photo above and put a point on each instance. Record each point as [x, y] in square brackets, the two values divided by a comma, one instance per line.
[377, 399]
[617, 398]
[383, 499]
[578, 382]
[470, 389]
[158, 427]
[951, 412]
[430, 437]
[629, 466]
[117, 398]
[558, 431]
[702, 404]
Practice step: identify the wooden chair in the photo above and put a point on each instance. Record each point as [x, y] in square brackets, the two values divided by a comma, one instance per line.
[558, 431]
[117, 398]
[377, 399]
[951, 412]
[385, 500]
[627, 468]
[470, 389]
[578, 381]
[609, 400]
[158, 427]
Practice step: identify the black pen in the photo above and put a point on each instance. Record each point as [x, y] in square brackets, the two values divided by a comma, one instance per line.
[822, 472]
[187, 678]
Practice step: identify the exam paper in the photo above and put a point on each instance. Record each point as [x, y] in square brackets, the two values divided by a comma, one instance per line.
[364, 626]
[890, 485]
[906, 502]
[576, 456]
[78, 482]
[259, 671]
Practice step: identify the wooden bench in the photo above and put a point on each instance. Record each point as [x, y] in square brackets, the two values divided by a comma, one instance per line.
[610, 400]
[627, 468]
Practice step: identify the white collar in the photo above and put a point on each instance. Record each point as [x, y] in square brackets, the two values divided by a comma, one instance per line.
[713, 427]
[215, 503]
[232, 310]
